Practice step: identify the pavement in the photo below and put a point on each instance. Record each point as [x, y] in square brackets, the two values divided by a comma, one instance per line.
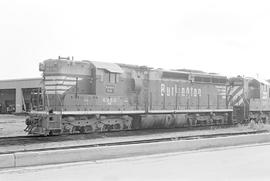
[11, 125]
[231, 163]
[21, 146]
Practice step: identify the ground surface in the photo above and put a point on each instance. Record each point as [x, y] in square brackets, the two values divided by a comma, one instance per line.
[238, 163]
[11, 125]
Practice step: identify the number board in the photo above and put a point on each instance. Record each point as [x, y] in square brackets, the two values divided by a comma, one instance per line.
[110, 88]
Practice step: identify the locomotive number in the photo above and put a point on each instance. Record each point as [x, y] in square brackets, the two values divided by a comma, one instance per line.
[109, 100]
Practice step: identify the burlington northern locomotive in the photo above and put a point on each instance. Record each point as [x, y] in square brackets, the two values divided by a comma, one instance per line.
[88, 96]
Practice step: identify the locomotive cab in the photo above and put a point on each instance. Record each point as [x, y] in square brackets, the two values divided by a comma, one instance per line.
[259, 100]
[254, 89]
[250, 99]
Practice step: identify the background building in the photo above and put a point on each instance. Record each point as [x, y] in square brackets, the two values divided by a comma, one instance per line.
[19, 95]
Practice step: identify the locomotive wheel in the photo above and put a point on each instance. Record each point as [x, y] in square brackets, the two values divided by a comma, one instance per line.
[103, 128]
[88, 129]
[51, 133]
[116, 126]
[82, 129]
[74, 130]
[194, 122]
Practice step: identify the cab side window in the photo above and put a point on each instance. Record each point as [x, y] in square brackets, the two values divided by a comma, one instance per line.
[112, 77]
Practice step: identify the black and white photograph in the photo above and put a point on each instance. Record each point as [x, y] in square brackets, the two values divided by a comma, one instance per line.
[123, 90]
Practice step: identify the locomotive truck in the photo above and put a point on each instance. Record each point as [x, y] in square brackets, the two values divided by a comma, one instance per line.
[89, 96]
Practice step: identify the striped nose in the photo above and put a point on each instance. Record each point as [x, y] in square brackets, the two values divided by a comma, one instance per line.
[59, 84]
[236, 95]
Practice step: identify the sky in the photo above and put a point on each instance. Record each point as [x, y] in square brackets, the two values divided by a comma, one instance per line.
[229, 37]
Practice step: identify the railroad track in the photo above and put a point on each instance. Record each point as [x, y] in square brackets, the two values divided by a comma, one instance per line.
[31, 139]
[138, 141]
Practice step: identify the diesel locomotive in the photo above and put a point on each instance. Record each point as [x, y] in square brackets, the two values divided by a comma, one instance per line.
[89, 96]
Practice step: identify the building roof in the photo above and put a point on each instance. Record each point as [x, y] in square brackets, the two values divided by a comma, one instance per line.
[20, 83]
